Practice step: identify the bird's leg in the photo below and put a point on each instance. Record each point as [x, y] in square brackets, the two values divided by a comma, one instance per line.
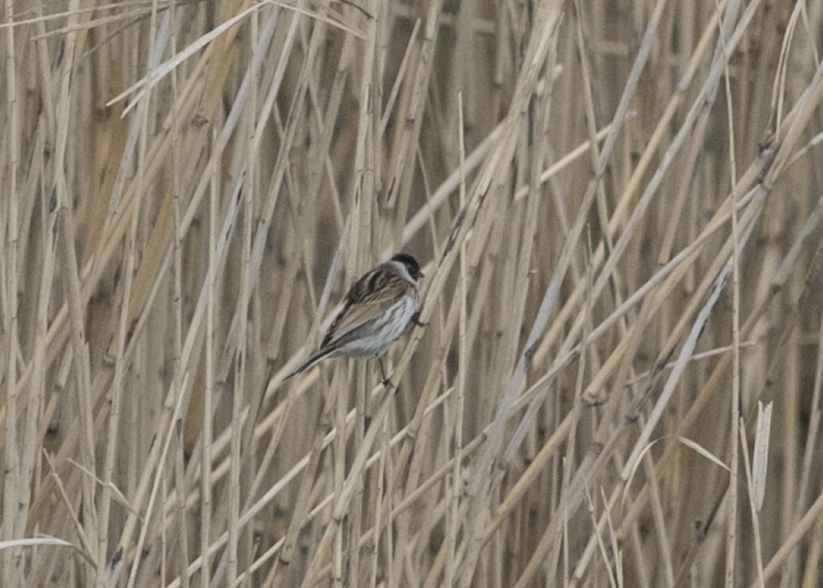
[415, 320]
[386, 381]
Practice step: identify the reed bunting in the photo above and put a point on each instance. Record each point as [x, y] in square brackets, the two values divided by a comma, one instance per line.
[377, 309]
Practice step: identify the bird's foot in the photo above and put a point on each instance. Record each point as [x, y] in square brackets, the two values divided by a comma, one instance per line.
[415, 320]
[387, 383]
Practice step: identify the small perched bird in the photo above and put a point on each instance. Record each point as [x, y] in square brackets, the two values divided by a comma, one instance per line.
[376, 311]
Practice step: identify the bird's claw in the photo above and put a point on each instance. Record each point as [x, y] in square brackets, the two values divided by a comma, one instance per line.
[415, 320]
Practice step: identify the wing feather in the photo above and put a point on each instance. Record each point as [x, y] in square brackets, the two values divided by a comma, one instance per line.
[368, 298]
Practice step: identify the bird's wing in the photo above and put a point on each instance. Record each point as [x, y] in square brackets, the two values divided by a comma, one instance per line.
[369, 297]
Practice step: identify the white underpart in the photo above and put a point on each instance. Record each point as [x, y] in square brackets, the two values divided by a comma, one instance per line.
[376, 336]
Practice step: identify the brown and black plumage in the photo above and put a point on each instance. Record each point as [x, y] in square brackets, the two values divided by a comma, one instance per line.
[376, 310]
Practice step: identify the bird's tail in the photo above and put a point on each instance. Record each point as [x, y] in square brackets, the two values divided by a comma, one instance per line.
[320, 355]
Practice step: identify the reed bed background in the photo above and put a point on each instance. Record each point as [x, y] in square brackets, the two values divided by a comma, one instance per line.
[618, 210]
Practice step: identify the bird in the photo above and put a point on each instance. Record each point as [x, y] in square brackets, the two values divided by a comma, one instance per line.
[376, 311]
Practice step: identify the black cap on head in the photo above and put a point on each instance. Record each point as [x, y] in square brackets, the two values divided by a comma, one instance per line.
[411, 264]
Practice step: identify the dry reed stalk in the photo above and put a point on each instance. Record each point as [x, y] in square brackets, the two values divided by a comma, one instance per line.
[631, 195]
